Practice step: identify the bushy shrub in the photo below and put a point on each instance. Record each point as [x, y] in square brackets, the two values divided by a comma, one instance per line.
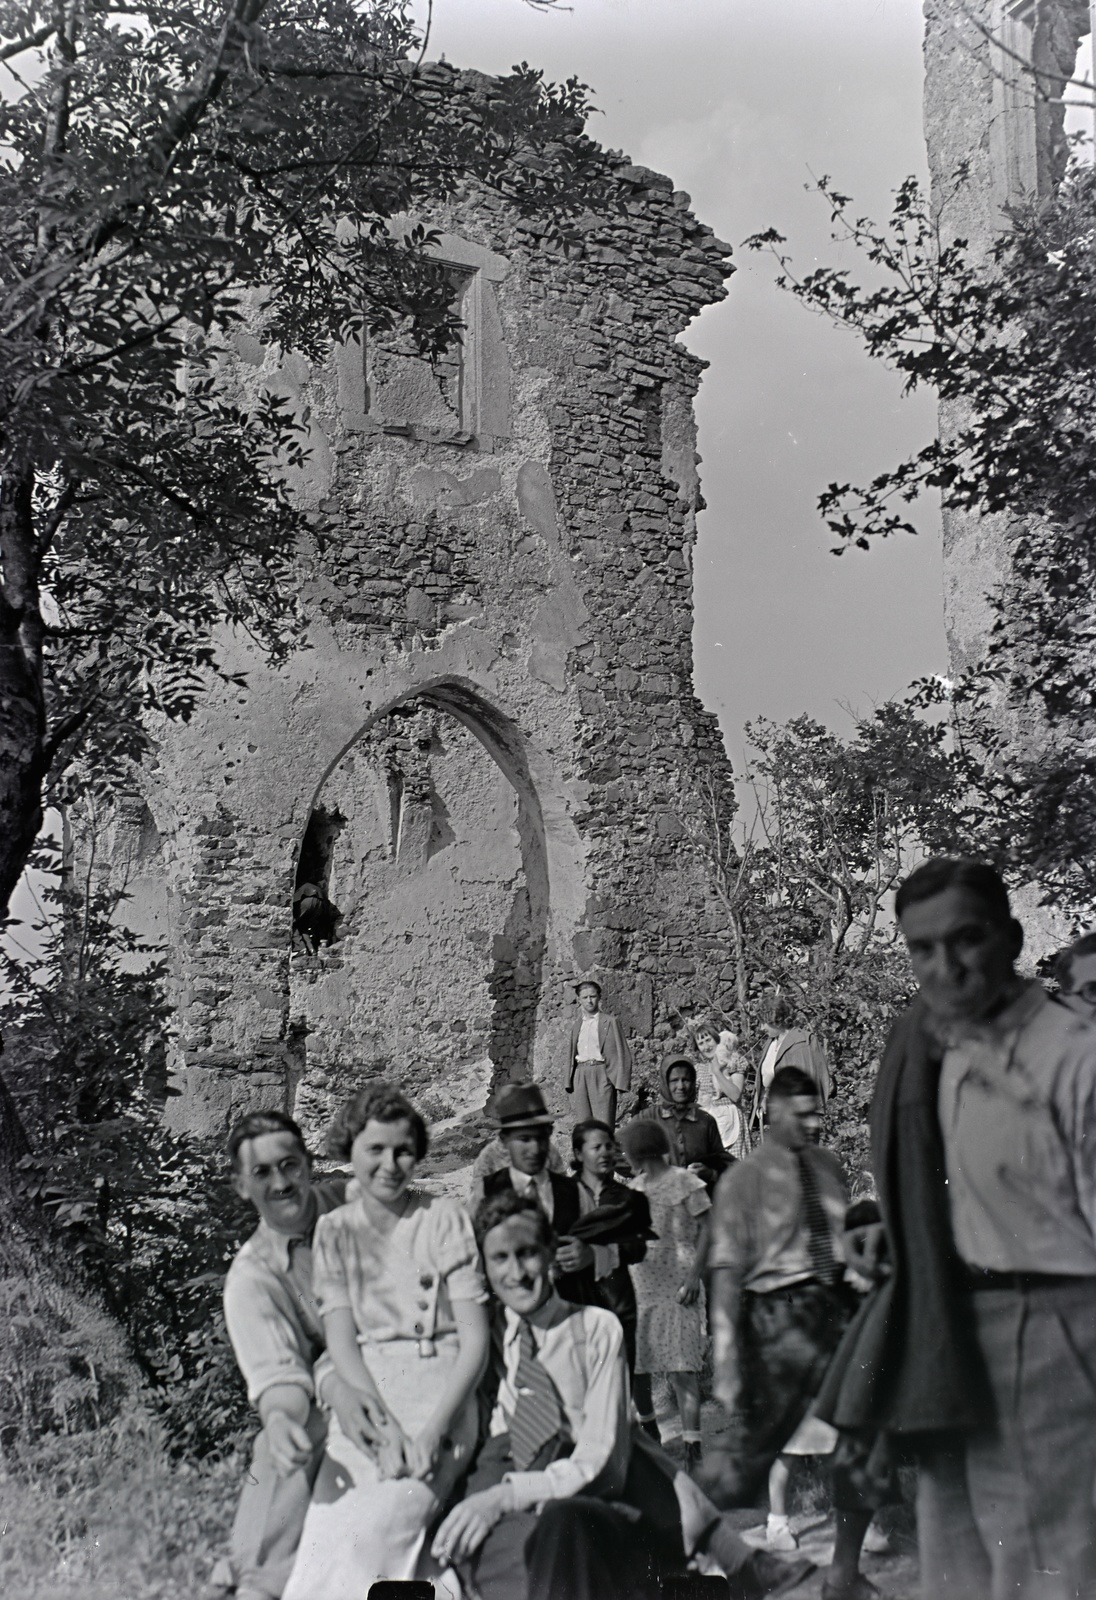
[147, 1217]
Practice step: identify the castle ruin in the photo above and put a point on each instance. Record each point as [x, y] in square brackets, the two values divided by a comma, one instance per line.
[391, 853]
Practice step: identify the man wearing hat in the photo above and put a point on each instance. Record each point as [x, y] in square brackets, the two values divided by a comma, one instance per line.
[599, 1063]
[525, 1129]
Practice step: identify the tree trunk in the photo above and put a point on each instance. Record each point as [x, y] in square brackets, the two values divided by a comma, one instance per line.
[22, 707]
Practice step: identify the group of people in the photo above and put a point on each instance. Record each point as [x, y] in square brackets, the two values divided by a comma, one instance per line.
[466, 1395]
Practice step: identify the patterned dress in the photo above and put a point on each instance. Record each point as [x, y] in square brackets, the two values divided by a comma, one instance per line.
[670, 1337]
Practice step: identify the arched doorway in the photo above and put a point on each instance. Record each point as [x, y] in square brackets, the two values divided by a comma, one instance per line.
[420, 911]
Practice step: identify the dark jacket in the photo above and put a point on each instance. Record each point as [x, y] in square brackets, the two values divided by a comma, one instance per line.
[566, 1210]
[909, 1363]
[693, 1133]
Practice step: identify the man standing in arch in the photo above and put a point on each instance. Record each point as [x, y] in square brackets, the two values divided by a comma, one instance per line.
[599, 1063]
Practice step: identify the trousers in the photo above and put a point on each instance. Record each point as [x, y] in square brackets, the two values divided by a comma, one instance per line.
[594, 1094]
[269, 1518]
[1007, 1513]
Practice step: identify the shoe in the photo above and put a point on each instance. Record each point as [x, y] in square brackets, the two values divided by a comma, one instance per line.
[860, 1588]
[764, 1574]
[877, 1541]
[779, 1535]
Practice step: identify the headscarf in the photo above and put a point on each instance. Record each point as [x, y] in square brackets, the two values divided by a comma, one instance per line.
[664, 1084]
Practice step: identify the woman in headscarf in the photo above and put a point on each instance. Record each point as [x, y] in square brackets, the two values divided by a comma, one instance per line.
[727, 1068]
[693, 1133]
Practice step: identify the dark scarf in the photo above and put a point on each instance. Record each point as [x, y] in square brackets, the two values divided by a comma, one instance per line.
[909, 1362]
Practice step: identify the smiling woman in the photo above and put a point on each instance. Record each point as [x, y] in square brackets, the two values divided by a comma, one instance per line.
[396, 1277]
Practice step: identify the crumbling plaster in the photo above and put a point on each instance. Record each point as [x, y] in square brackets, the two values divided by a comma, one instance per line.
[528, 573]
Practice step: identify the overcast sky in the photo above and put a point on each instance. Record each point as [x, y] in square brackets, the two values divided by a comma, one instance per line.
[740, 102]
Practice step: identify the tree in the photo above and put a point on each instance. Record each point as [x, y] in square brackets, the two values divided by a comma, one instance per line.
[1006, 337]
[806, 884]
[171, 175]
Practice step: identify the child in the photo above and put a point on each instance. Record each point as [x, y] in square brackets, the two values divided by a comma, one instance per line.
[670, 1333]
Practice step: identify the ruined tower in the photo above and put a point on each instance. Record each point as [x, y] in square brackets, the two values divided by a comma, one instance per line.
[391, 853]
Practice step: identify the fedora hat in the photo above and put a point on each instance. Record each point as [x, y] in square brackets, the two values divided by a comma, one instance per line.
[520, 1105]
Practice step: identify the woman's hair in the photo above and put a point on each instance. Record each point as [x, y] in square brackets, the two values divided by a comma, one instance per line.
[578, 1136]
[379, 1102]
[499, 1208]
[642, 1140]
[254, 1125]
[705, 1024]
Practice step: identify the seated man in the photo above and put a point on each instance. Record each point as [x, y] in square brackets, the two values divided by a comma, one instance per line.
[568, 1501]
[277, 1337]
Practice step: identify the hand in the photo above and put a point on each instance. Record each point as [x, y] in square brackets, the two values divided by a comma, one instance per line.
[866, 1251]
[421, 1453]
[568, 1088]
[391, 1452]
[698, 1167]
[289, 1444]
[572, 1255]
[357, 1420]
[689, 1292]
[469, 1523]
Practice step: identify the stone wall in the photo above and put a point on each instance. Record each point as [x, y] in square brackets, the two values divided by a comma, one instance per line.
[491, 736]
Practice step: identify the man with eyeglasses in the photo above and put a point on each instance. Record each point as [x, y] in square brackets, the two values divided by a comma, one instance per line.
[1075, 970]
[277, 1338]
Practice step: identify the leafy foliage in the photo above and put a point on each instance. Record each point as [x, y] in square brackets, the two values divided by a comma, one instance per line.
[148, 1218]
[1005, 336]
[172, 175]
[807, 884]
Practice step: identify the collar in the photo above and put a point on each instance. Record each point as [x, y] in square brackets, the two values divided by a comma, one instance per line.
[1030, 998]
[549, 1315]
[522, 1180]
[278, 1247]
[682, 1113]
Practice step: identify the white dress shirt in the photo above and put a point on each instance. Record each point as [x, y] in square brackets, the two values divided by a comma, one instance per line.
[582, 1350]
[589, 1044]
[539, 1186]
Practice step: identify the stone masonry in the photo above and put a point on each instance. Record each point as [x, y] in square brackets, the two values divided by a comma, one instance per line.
[478, 766]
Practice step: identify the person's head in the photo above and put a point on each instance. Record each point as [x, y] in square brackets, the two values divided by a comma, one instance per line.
[525, 1126]
[383, 1137]
[593, 1148]
[589, 996]
[705, 1031]
[646, 1144]
[793, 1108]
[272, 1169]
[1075, 970]
[518, 1245]
[678, 1081]
[962, 938]
[781, 1017]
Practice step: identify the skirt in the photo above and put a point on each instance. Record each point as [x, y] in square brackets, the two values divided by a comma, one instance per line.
[360, 1527]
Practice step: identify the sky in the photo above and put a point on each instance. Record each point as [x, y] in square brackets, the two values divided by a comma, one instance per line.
[743, 103]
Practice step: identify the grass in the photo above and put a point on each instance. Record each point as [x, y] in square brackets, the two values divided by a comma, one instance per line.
[107, 1515]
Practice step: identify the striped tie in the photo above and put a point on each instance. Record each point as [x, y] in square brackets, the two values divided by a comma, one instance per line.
[820, 1237]
[538, 1415]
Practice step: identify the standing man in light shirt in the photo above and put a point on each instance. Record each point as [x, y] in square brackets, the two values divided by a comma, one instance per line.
[979, 1347]
[599, 1063]
[277, 1338]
